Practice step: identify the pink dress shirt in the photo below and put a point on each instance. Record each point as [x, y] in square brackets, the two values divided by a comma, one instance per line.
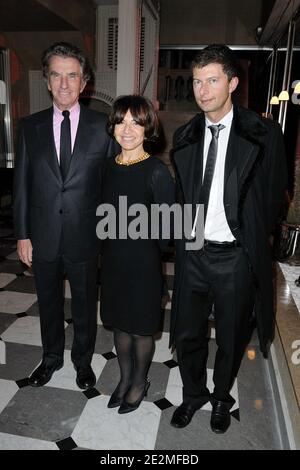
[57, 120]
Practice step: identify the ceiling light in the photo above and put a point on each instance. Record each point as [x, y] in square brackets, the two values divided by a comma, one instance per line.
[274, 100]
[283, 96]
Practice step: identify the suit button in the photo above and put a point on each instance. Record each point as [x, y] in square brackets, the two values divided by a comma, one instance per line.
[63, 189]
[60, 211]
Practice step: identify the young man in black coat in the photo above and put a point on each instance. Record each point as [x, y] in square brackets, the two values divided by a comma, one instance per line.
[233, 162]
[56, 193]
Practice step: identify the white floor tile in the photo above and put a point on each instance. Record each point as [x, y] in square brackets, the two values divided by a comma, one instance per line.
[102, 428]
[13, 442]
[212, 333]
[174, 389]
[67, 290]
[16, 302]
[168, 268]
[66, 377]
[162, 351]
[25, 330]
[99, 321]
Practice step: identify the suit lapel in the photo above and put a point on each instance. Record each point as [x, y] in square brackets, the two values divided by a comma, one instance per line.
[45, 134]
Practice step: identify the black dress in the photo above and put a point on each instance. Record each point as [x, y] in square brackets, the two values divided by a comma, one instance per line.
[131, 272]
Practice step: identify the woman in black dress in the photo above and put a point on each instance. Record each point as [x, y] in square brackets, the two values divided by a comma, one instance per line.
[131, 271]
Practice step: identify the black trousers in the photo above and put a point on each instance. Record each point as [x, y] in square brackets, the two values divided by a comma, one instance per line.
[82, 276]
[220, 276]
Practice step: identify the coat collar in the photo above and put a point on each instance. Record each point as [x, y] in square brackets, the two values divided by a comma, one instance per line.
[246, 124]
[245, 141]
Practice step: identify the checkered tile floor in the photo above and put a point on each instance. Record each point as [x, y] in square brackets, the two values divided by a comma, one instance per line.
[61, 416]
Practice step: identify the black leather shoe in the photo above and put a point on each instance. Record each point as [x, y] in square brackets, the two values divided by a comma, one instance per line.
[183, 415]
[43, 373]
[220, 416]
[85, 377]
[128, 407]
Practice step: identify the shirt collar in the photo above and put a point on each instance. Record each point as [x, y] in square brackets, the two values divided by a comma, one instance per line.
[226, 120]
[74, 110]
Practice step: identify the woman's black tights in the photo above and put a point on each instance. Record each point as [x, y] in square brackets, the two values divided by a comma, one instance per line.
[135, 354]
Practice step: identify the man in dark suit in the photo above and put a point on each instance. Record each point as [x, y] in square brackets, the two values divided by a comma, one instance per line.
[56, 193]
[231, 161]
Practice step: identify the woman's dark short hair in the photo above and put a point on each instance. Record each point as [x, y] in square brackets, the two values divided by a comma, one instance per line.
[142, 111]
[218, 54]
[65, 50]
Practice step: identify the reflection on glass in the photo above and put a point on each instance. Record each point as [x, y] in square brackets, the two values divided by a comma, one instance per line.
[258, 404]
[251, 354]
[6, 147]
[2, 132]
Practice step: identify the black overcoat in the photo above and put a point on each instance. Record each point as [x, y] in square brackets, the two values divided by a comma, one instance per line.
[254, 185]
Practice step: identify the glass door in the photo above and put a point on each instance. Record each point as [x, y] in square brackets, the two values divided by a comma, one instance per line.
[6, 142]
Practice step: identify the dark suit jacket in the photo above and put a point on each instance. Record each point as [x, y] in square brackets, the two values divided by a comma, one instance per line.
[254, 185]
[45, 207]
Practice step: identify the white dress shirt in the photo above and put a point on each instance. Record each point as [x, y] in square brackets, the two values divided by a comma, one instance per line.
[216, 226]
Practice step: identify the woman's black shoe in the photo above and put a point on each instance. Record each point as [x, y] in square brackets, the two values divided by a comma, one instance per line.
[115, 400]
[128, 407]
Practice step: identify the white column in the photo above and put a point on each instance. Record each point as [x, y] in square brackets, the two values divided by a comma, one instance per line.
[128, 47]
